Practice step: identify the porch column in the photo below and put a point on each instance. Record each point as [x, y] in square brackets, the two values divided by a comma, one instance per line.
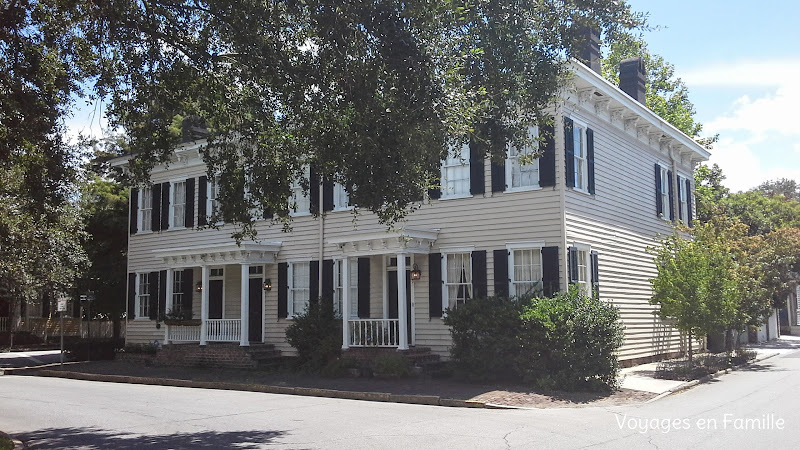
[344, 268]
[402, 313]
[244, 338]
[204, 304]
[168, 303]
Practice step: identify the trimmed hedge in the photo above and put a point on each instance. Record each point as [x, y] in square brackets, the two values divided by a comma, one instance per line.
[569, 341]
[317, 336]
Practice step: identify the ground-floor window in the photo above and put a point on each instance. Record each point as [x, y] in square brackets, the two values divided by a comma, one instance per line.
[299, 287]
[338, 282]
[526, 272]
[457, 278]
[143, 296]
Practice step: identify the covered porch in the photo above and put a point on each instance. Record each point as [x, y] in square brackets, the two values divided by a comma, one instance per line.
[394, 254]
[226, 313]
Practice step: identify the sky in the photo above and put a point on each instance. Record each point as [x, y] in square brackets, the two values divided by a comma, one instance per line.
[741, 63]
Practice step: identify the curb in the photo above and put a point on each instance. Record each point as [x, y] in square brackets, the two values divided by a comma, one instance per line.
[431, 400]
[18, 445]
[709, 377]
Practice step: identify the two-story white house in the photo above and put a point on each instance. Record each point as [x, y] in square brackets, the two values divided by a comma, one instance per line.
[613, 177]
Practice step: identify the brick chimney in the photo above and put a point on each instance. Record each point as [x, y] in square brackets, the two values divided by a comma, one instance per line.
[590, 52]
[632, 78]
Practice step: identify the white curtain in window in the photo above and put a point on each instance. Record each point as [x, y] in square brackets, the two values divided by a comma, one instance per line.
[459, 278]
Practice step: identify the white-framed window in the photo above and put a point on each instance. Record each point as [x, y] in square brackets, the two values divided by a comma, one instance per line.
[143, 296]
[665, 204]
[455, 174]
[683, 199]
[146, 209]
[177, 205]
[584, 271]
[177, 290]
[457, 278]
[300, 201]
[341, 199]
[212, 204]
[579, 159]
[299, 287]
[522, 172]
[525, 275]
[338, 283]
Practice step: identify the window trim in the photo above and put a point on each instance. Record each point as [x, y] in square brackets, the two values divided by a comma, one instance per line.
[177, 292]
[291, 313]
[172, 197]
[510, 160]
[523, 245]
[337, 268]
[683, 198]
[584, 179]
[211, 183]
[138, 300]
[297, 186]
[445, 252]
[464, 164]
[338, 187]
[587, 262]
[140, 229]
[665, 204]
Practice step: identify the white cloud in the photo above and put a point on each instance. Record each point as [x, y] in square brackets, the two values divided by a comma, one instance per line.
[772, 113]
[743, 166]
[745, 73]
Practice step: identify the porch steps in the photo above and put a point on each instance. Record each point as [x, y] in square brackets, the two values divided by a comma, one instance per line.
[266, 356]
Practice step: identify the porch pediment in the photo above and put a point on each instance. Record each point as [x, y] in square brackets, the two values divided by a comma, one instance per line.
[381, 243]
[245, 253]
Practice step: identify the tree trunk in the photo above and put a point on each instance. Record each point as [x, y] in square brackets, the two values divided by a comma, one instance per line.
[729, 341]
[691, 354]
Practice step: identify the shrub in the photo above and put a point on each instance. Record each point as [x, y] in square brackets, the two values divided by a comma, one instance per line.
[485, 342]
[339, 367]
[391, 365]
[94, 349]
[317, 335]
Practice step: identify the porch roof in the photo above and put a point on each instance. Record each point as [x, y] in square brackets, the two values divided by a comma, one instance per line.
[245, 253]
[382, 243]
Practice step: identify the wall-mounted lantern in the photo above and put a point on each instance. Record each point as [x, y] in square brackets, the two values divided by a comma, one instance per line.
[267, 284]
[416, 274]
[199, 286]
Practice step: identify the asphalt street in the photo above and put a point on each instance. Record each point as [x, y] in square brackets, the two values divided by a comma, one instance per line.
[29, 359]
[752, 408]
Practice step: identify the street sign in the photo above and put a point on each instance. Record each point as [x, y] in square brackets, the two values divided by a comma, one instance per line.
[62, 305]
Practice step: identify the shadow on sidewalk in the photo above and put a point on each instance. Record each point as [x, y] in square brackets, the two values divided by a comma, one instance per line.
[98, 438]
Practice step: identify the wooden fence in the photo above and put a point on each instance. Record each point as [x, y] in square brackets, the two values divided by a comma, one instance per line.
[44, 328]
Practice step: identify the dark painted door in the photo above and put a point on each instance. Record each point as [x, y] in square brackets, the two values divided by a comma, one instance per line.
[215, 299]
[256, 310]
[392, 276]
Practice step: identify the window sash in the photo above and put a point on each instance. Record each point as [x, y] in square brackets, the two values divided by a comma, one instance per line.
[338, 296]
[300, 288]
[177, 290]
[300, 201]
[457, 278]
[146, 209]
[683, 199]
[526, 271]
[455, 173]
[579, 156]
[665, 181]
[341, 199]
[178, 204]
[584, 268]
[143, 296]
[521, 175]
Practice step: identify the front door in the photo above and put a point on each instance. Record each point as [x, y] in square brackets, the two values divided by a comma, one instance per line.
[256, 311]
[392, 285]
[215, 299]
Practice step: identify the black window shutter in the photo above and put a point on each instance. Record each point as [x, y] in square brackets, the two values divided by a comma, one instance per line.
[162, 292]
[590, 158]
[572, 259]
[498, 176]
[659, 206]
[313, 190]
[476, 170]
[313, 282]
[680, 189]
[154, 295]
[363, 288]
[501, 273]
[547, 162]
[156, 211]
[202, 201]
[435, 284]
[327, 279]
[671, 196]
[569, 152]
[436, 192]
[479, 289]
[165, 206]
[131, 296]
[689, 202]
[595, 275]
[188, 289]
[327, 195]
[550, 271]
[189, 220]
[283, 290]
[268, 213]
[134, 216]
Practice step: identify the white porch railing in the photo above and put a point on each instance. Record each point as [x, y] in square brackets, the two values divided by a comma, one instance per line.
[183, 333]
[224, 330]
[374, 332]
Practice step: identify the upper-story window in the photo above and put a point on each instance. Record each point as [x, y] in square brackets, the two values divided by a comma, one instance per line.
[455, 174]
[299, 287]
[666, 184]
[213, 195]
[457, 278]
[683, 199]
[579, 159]
[177, 205]
[341, 199]
[522, 171]
[146, 209]
[300, 201]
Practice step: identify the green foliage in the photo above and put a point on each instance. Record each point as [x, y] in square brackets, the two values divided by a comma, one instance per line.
[316, 334]
[566, 342]
[338, 367]
[570, 342]
[391, 365]
[485, 337]
[709, 191]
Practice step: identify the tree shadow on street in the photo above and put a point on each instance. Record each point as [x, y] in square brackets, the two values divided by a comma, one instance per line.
[90, 437]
